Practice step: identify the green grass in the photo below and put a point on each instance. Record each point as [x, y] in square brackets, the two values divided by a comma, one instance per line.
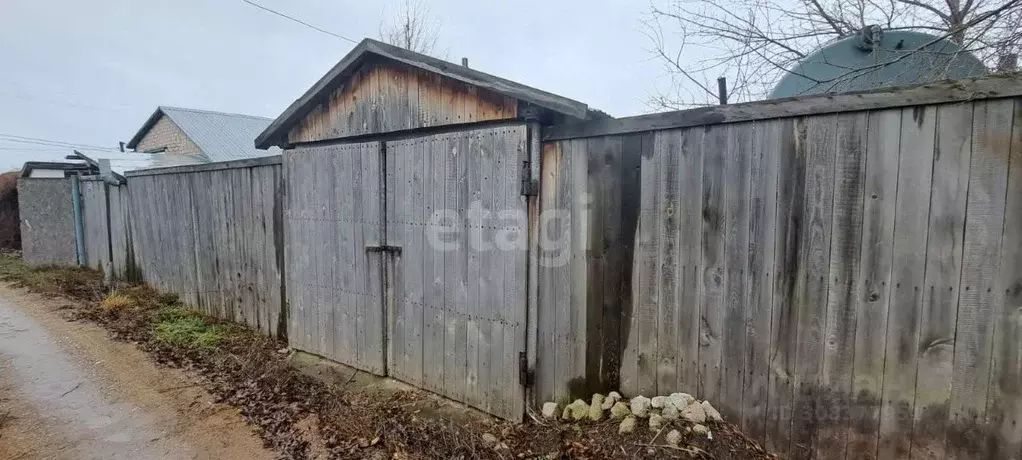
[182, 327]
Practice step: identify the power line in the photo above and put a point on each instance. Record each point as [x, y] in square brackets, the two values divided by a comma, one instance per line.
[298, 21]
[49, 142]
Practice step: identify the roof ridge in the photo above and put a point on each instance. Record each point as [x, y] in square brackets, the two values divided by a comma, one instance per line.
[214, 112]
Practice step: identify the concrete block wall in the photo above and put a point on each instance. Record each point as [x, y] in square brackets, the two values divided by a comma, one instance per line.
[47, 222]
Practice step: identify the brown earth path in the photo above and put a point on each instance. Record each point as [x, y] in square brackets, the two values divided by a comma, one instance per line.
[69, 391]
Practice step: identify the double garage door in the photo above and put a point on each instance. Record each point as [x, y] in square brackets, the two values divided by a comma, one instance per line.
[407, 258]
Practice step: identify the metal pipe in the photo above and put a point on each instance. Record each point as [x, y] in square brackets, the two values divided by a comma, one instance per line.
[76, 211]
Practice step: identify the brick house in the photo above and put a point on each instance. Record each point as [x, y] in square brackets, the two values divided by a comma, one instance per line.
[208, 135]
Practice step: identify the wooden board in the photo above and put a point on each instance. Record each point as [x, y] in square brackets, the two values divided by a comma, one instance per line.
[1004, 403]
[690, 274]
[784, 322]
[948, 194]
[764, 166]
[979, 300]
[667, 153]
[875, 259]
[911, 220]
[712, 299]
[818, 136]
[835, 398]
[737, 172]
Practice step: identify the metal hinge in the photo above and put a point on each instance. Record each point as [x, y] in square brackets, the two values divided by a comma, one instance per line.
[529, 186]
[525, 375]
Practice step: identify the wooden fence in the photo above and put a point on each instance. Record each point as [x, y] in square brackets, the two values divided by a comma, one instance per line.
[841, 275]
[839, 279]
[211, 234]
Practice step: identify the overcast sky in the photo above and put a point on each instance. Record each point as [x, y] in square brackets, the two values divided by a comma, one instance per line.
[92, 71]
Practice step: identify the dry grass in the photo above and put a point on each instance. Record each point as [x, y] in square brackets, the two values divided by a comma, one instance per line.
[116, 301]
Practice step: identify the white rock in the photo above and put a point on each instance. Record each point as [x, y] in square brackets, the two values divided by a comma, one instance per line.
[700, 429]
[694, 413]
[627, 426]
[566, 413]
[489, 440]
[674, 438]
[711, 413]
[550, 410]
[681, 400]
[670, 412]
[619, 411]
[658, 402]
[656, 422]
[579, 410]
[640, 406]
[612, 398]
[595, 412]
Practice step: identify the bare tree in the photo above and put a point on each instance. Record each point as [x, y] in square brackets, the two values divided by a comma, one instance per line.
[412, 28]
[753, 43]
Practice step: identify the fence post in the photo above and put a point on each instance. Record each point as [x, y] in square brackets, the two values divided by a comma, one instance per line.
[76, 212]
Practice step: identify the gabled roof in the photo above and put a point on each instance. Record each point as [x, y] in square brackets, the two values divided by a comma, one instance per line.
[277, 131]
[221, 136]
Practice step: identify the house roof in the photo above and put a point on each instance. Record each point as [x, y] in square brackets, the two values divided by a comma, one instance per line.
[221, 136]
[276, 133]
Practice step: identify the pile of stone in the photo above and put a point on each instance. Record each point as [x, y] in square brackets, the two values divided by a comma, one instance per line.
[678, 409]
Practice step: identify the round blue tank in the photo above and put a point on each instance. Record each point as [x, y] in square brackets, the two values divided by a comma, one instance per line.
[875, 58]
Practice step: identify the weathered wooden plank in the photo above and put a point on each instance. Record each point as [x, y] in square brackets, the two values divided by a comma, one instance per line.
[948, 195]
[375, 319]
[644, 327]
[455, 271]
[478, 326]
[571, 194]
[737, 172]
[432, 267]
[812, 283]
[712, 301]
[666, 151]
[874, 279]
[992, 87]
[591, 178]
[503, 350]
[397, 202]
[414, 263]
[845, 245]
[980, 295]
[911, 217]
[559, 260]
[690, 215]
[764, 168]
[547, 386]
[1004, 404]
[515, 269]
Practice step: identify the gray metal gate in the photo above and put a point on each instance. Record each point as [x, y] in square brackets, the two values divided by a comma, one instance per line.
[448, 271]
[332, 214]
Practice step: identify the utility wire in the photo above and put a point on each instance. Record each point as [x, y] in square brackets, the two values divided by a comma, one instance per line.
[298, 21]
[48, 142]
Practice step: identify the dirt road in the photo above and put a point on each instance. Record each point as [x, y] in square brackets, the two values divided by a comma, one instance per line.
[68, 391]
